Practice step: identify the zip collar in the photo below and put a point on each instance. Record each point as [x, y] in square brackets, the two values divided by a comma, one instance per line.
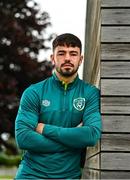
[62, 84]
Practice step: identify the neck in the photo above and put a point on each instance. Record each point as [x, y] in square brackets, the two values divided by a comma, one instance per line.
[65, 79]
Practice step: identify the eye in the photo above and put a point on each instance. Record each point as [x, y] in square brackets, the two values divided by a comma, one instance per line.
[73, 54]
[61, 53]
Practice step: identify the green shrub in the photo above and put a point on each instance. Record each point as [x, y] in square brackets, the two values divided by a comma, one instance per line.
[9, 160]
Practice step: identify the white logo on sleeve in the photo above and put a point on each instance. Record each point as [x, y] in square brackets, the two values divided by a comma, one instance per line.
[79, 103]
[45, 103]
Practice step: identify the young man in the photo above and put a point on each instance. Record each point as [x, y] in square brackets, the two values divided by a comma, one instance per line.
[58, 117]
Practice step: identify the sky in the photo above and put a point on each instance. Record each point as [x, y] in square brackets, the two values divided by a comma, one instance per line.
[66, 16]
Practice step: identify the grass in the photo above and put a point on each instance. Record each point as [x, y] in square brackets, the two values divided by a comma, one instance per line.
[6, 177]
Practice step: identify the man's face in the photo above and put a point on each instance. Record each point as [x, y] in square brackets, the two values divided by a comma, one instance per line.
[66, 60]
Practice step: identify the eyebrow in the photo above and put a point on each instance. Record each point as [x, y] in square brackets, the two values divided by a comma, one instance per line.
[62, 51]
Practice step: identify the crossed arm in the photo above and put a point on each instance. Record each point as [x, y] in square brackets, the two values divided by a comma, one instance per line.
[39, 137]
[75, 137]
[25, 127]
[78, 137]
[28, 139]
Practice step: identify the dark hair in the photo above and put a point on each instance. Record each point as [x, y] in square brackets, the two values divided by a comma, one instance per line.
[68, 40]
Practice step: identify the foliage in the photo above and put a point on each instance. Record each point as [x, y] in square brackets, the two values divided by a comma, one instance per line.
[6, 177]
[12, 160]
[22, 34]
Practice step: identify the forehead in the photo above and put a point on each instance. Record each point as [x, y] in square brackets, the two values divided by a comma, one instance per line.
[67, 48]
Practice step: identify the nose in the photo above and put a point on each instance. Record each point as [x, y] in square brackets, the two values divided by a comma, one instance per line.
[67, 57]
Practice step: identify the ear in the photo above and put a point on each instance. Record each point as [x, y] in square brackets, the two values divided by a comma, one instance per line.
[81, 59]
[52, 59]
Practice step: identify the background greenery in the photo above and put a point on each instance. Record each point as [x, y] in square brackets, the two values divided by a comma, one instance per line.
[23, 33]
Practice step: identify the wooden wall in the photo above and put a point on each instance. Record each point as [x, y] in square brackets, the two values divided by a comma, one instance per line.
[110, 159]
[115, 89]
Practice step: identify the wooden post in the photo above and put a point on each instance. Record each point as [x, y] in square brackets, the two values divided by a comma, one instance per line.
[91, 74]
[91, 69]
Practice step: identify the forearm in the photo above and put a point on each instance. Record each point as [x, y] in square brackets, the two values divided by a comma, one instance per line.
[29, 139]
[25, 126]
[76, 137]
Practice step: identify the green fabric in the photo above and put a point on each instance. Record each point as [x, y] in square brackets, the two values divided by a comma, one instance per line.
[56, 153]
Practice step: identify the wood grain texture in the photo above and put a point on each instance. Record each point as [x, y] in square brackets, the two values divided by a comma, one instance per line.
[115, 16]
[90, 174]
[93, 162]
[115, 161]
[115, 52]
[115, 3]
[115, 142]
[116, 69]
[115, 105]
[92, 46]
[115, 34]
[115, 175]
[93, 150]
[116, 123]
[119, 87]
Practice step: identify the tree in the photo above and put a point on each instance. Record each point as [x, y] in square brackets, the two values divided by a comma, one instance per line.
[22, 34]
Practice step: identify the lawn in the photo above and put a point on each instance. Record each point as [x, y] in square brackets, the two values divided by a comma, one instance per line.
[6, 177]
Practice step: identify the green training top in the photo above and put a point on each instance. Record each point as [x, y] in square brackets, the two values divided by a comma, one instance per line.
[56, 153]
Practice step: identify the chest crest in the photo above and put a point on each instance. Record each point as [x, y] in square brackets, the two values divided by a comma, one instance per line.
[46, 103]
[79, 103]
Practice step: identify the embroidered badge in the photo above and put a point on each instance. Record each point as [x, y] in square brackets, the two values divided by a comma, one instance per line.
[45, 103]
[79, 103]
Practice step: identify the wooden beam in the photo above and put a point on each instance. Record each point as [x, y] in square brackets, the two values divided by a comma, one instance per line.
[115, 142]
[115, 34]
[116, 123]
[115, 16]
[115, 105]
[91, 69]
[112, 175]
[115, 161]
[115, 52]
[118, 87]
[115, 69]
[115, 3]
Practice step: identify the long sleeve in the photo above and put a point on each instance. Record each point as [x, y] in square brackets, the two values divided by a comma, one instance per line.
[26, 122]
[80, 137]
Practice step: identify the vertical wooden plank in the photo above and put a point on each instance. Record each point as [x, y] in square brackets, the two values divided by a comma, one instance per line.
[91, 72]
[91, 174]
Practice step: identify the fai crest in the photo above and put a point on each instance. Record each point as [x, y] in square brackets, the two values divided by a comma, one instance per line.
[45, 103]
[79, 103]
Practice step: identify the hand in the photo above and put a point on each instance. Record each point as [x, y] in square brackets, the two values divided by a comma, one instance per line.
[40, 128]
[80, 125]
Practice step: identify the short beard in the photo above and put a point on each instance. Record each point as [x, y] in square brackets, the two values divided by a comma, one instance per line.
[67, 73]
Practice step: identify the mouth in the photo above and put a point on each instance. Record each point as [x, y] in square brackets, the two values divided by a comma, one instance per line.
[67, 65]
